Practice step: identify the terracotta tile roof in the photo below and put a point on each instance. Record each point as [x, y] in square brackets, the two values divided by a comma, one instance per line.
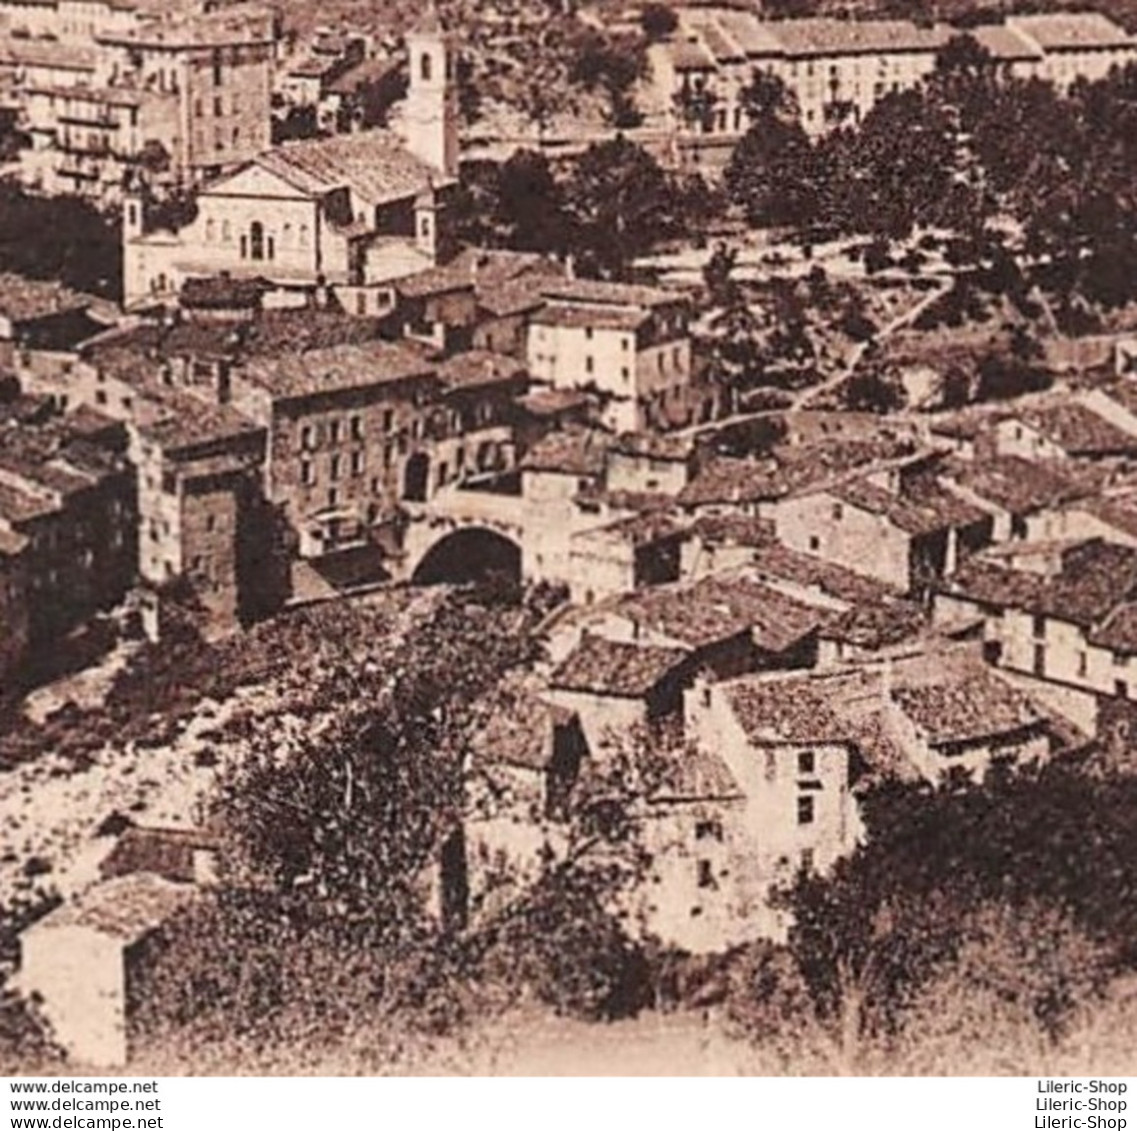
[720, 45]
[1118, 632]
[435, 281]
[756, 38]
[364, 73]
[686, 56]
[821, 36]
[520, 729]
[606, 667]
[225, 27]
[22, 300]
[23, 502]
[720, 607]
[650, 525]
[164, 852]
[371, 164]
[795, 709]
[126, 908]
[654, 445]
[1017, 486]
[576, 315]
[553, 402]
[982, 706]
[925, 509]
[178, 421]
[337, 369]
[573, 451]
[1078, 430]
[726, 480]
[774, 560]
[219, 292]
[876, 625]
[734, 530]
[595, 292]
[1119, 512]
[1003, 43]
[1095, 577]
[1054, 31]
[48, 54]
[691, 773]
[478, 368]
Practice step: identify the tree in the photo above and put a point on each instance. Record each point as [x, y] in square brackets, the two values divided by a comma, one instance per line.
[871, 390]
[75, 244]
[772, 175]
[530, 213]
[658, 21]
[621, 203]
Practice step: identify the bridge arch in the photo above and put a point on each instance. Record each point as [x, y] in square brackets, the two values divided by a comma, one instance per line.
[469, 554]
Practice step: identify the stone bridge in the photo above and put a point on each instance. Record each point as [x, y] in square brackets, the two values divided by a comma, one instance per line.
[463, 535]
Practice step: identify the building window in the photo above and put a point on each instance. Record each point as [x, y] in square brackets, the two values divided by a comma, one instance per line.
[708, 830]
[806, 763]
[1081, 665]
[426, 67]
[307, 475]
[308, 436]
[357, 463]
[333, 496]
[838, 512]
[1040, 659]
[218, 109]
[805, 810]
[814, 543]
[334, 469]
[217, 73]
[356, 426]
[588, 364]
[256, 240]
[334, 432]
[1121, 689]
[706, 875]
[807, 860]
[210, 523]
[197, 108]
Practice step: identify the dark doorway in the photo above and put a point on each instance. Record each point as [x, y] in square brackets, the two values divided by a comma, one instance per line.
[416, 478]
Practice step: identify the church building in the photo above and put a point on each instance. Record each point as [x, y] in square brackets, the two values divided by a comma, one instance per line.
[349, 213]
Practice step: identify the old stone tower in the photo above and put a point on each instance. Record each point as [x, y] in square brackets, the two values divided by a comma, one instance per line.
[431, 113]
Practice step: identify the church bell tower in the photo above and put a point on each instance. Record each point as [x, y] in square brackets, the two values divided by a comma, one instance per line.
[431, 113]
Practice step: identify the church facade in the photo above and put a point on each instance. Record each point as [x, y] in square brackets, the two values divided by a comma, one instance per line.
[349, 213]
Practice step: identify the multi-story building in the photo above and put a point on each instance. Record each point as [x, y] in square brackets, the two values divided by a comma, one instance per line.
[67, 521]
[629, 344]
[837, 70]
[173, 98]
[1060, 615]
[356, 211]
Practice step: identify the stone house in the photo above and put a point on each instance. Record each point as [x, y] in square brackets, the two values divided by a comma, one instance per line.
[1058, 615]
[1069, 430]
[80, 959]
[629, 344]
[906, 532]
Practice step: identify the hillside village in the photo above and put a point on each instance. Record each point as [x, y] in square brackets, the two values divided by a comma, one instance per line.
[637, 528]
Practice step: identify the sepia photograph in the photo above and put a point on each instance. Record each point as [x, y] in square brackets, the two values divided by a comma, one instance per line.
[568, 538]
